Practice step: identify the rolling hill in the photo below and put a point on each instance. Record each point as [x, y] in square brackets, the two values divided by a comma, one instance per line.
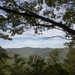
[27, 51]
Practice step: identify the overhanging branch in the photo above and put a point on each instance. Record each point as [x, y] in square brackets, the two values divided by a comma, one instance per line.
[43, 25]
[34, 15]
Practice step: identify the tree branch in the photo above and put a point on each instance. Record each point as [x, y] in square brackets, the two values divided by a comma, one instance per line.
[44, 25]
[34, 15]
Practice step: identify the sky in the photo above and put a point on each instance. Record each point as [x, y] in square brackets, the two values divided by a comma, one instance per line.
[29, 39]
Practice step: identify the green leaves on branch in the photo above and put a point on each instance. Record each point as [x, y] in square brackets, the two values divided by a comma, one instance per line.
[5, 37]
[16, 16]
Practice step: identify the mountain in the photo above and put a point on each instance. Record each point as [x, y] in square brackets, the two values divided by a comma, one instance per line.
[27, 51]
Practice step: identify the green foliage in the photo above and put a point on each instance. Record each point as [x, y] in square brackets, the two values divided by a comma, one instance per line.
[3, 58]
[34, 65]
[18, 66]
[16, 24]
[3, 54]
[55, 69]
[54, 56]
[70, 61]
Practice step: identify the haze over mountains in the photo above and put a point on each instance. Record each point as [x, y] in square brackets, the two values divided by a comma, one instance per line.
[27, 51]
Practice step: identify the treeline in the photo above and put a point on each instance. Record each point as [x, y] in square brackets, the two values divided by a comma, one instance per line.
[36, 65]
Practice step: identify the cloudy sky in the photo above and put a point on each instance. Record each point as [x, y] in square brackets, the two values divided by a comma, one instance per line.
[29, 39]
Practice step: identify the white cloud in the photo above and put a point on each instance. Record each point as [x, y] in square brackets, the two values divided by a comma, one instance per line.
[35, 42]
[46, 33]
[27, 39]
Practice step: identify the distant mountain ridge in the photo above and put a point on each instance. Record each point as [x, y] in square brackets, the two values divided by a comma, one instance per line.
[27, 51]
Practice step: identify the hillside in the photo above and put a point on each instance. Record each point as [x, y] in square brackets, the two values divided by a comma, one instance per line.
[27, 51]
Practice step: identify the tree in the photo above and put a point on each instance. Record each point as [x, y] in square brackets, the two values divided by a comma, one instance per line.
[39, 14]
[36, 65]
[70, 60]
[18, 66]
[55, 69]
[54, 56]
[3, 59]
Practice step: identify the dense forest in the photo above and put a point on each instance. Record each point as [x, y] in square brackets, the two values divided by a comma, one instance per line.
[36, 65]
